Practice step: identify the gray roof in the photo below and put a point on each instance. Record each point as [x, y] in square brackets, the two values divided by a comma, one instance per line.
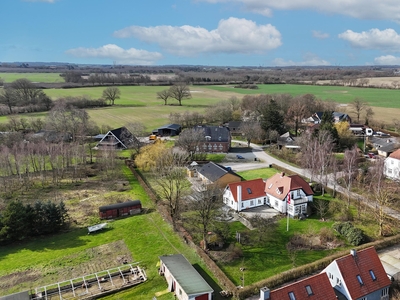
[216, 133]
[213, 171]
[171, 126]
[390, 147]
[185, 274]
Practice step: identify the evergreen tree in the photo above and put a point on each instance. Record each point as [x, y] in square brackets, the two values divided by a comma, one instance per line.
[272, 118]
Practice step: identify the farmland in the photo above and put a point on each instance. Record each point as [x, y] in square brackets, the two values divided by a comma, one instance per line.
[140, 103]
[34, 77]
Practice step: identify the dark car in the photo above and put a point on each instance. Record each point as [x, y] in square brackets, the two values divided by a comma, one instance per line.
[239, 156]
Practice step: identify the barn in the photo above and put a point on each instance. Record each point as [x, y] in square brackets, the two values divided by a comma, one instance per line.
[130, 207]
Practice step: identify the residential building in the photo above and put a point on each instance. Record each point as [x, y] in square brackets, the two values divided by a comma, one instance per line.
[212, 173]
[359, 275]
[316, 118]
[216, 139]
[120, 138]
[183, 279]
[289, 141]
[245, 194]
[289, 194]
[392, 165]
[316, 287]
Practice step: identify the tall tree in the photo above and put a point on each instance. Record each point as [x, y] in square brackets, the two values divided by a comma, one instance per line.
[190, 140]
[251, 130]
[111, 94]
[25, 90]
[180, 91]
[8, 97]
[350, 168]
[358, 106]
[164, 95]
[272, 118]
[206, 205]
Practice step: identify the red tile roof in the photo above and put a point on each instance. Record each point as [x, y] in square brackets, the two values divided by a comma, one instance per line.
[256, 187]
[365, 260]
[319, 284]
[285, 184]
[395, 154]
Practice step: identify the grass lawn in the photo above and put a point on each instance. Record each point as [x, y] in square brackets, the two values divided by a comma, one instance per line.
[258, 173]
[34, 77]
[147, 236]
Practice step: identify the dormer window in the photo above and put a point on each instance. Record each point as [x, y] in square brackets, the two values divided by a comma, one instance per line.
[270, 186]
[309, 290]
[249, 190]
[360, 281]
[278, 191]
[292, 296]
[208, 138]
[372, 275]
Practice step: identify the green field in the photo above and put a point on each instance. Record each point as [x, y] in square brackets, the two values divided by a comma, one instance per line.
[140, 103]
[34, 77]
[375, 97]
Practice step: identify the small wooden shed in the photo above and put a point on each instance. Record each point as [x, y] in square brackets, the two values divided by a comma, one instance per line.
[116, 210]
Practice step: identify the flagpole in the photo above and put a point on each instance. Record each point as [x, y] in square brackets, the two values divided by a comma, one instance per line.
[287, 210]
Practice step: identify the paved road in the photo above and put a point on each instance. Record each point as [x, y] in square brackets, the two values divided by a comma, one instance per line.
[264, 160]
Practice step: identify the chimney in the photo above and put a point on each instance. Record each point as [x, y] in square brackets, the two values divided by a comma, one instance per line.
[264, 293]
[282, 174]
[353, 252]
[239, 195]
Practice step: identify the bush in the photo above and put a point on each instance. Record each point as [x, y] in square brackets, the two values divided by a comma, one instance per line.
[353, 235]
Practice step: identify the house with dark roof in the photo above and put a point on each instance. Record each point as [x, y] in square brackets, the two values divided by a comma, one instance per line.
[245, 194]
[183, 279]
[234, 127]
[316, 118]
[316, 287]
[359, 275]
[289, 194]
[212, 173]
[289, 141]
[168, 130]
[216, 139]
[119, 138]
[392, 165]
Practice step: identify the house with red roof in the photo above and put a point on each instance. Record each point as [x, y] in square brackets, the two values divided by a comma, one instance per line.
[359, 275]
[316, 287]
[392, 165]
[245, 194]
[288, 194]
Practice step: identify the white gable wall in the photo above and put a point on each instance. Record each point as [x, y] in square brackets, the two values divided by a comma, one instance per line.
[392, 168]
[336, 278]
[240, 205]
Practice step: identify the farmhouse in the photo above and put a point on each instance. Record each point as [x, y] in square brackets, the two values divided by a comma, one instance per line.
[286, 140]
[168, 130]
[316, 118]
[130, 207]
[212, 173]
[288, 194]
[216, 139]
[183, 279]
[120, 138]
[245, 194]
[359, 275]
[316, 287]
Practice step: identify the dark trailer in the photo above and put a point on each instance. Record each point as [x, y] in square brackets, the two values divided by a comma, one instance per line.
[116, 210]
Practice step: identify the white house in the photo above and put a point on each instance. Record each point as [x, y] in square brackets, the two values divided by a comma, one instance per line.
[183, 279]
[392, 165]
[359, 275]
[245, 194]
[288, 194]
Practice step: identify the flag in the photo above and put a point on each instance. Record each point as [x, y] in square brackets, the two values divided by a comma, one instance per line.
[288, 198]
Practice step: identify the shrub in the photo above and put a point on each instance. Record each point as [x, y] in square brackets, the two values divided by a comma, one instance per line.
[353, 235]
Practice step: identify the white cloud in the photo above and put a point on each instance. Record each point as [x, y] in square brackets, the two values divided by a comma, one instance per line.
[387, 60]
[309, 59]
[231, 36]
[115, 53]
[361, 9]
[387, 39]
[319, 34]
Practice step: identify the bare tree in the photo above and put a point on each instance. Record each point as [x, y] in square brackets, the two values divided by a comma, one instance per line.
[164, 95]
[350, 168]
[190, 140]
[171, 181]
[381, 193]
[206, 205]
[358, 106]
[321, 206]
[111, 94]
[251, 130]
[8, 98]
[369, 113]
[180, 91]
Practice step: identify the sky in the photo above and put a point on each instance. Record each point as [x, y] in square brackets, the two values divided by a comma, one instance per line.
[260, 33]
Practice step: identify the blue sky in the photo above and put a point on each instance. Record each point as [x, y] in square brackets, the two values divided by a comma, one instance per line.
[202, 32]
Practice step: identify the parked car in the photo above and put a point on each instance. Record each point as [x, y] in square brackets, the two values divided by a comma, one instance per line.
[371, 155]
[380, 133]
[239, 156]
